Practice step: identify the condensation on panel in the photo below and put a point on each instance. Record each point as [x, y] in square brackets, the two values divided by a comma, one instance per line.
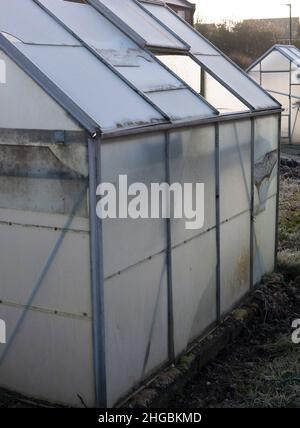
[266, 161]
[136, 325]
[235, 261]
[235, 168]
[264, 240]
[51, 357]
[192, 160]
[194, 288]
[126, 240]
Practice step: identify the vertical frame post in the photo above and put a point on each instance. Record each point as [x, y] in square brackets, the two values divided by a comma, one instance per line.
[252, 217]
[218, 221]
[278, 195]
[97, 274]
[290, 104]
[171, 346]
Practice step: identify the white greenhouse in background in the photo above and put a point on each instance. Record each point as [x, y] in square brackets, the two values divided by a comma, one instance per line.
[89, 92]
[278, 72]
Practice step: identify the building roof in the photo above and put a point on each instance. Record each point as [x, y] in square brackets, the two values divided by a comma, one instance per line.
[290, 52]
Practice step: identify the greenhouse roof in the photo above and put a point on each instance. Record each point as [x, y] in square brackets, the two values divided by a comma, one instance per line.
[95, 61]
[291, 52]
[156, 12]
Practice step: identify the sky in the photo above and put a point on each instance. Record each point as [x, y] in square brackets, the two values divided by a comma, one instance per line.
[220, 10]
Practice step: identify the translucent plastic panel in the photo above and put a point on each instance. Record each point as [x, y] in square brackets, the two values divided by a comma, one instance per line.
[142, 159]
[184, 31]
[18, 93]
[296, 115]
[136, 323]
[151, 31]
[192, 160]
[255, 75]
[284, 126]
[57, 352]
[15, 16]
[92, 86]
[266, 161]
[194, 288]
[235, 261]
[180, 104]
[264, 240]
[235, 168]
[90, 25]
[278, 82]
[275, 61]
[184, 67]
[236, 80]
[223, 100]
[45, 242]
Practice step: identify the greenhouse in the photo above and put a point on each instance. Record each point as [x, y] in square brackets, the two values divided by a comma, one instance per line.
[278, 72]
[91, 93]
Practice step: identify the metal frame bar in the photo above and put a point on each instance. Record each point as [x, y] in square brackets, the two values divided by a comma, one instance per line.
[48, 86]
[188, 123]
[171, 346]
[97, 274]
[278, 197]
[290, 104]
[252, 217]
[218, 223]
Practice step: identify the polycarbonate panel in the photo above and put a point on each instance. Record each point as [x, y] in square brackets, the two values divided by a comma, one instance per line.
[278, 82]
[194, 288]
[180, 104]
[264, 240]
[24, 105]
[184, 67]
[235, 261]
[43, 202]
[184, 31]
[92, 86]
[26, 21]
[223, 100]
[255, 75]
[236, 80]
[192, 160]
[91, 26]
[136, 324]
[51, 357]
[143, 24]
[296, 115]
[266, 161]
[235, 168]
[275, 61]
[265, 194]
[129, 241]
